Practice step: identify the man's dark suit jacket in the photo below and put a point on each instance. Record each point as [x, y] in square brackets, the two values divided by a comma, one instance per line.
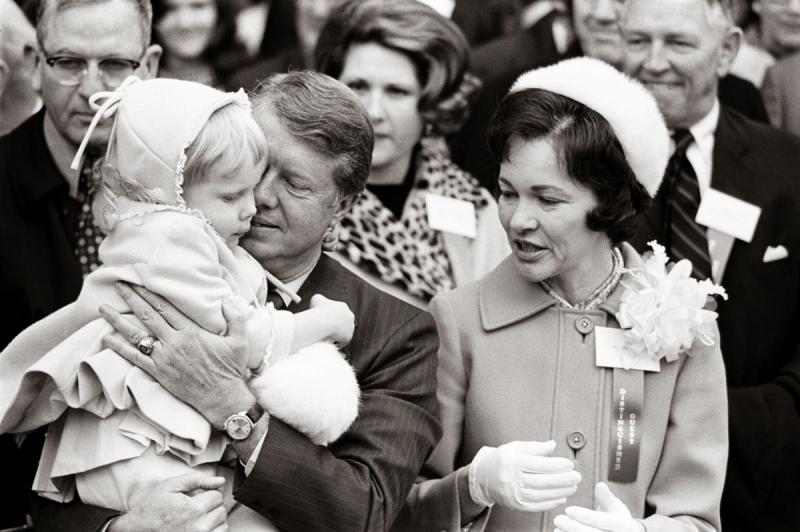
[360, 481]
[759, 325]
[38, 269]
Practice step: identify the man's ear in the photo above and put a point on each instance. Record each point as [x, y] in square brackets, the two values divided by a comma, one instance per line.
[29, 58]
[730, 47]
[36, 78]
[343, 205]
[152, 56]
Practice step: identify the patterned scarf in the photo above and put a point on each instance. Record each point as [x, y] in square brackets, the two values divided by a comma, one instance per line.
[407, 252]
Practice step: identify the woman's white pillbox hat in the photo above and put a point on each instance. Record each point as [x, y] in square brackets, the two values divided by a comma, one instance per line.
[628, 107]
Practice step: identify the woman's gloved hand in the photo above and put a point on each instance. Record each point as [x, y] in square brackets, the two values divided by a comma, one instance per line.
[611, 514]
[521, 475]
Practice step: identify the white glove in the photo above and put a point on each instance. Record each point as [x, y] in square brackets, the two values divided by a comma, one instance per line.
[611, 514]
[520, 475]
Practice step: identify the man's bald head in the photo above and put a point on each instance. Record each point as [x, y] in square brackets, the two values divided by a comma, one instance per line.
[17, 63]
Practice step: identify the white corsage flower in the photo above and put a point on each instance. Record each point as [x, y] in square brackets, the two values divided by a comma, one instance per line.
[662, 311]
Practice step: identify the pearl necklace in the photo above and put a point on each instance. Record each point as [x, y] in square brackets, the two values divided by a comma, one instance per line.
[600, 294]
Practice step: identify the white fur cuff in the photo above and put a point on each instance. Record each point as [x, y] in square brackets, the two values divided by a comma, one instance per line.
[314, 390]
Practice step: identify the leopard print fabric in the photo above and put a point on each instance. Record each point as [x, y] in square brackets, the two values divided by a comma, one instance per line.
[407, 252]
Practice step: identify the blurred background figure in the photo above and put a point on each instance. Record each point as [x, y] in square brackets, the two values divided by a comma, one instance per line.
[281, 34]
[291, 32]
[199, 40]
[595, 25]
[772, 31]
[408, 64]
[781, 94]
[544, 36]
[18, 99]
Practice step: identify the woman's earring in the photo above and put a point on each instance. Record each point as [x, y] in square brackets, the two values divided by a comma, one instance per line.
[330, 240]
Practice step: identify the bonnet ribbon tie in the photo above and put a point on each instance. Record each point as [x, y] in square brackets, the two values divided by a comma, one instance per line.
[104, 110]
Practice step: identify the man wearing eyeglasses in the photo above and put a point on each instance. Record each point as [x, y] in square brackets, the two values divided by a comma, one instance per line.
[47, 238]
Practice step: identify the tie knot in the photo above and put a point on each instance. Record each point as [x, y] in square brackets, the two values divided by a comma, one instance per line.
[274, 297]
[682, 138]
[86, 179]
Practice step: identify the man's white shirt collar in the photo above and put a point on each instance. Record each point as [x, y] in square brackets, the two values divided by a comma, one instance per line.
[701, 152]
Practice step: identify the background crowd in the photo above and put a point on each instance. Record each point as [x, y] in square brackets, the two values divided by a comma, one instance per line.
[430, 76]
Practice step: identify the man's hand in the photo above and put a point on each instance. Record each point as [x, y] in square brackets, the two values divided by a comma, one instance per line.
[190, 502]
[202, 369]
[611, 514]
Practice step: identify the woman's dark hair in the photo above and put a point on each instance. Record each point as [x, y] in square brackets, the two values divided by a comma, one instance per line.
[435, 45]
[587, 149]
[225, 53]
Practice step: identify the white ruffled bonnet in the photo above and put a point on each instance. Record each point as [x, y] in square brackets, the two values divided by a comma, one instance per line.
[156, 122]
[628, 107]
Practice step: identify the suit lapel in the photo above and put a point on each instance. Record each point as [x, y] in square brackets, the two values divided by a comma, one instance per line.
[730, 171]
[323, 279]
[730, 174]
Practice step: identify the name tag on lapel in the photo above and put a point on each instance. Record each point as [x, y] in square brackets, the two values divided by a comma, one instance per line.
[610, 352]
[451, 215]
[728, 215]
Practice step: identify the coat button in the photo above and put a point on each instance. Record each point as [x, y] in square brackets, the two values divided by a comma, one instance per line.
[576, 440]
[584, 324]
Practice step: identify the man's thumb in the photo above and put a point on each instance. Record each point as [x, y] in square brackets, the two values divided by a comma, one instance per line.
[606, 501]
[194, 481]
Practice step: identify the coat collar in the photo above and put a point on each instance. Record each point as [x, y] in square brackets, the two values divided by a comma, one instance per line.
[506, 297]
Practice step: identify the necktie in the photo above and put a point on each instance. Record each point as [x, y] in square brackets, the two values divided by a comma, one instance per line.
[88, 235]
[687, 238]
[275, 298]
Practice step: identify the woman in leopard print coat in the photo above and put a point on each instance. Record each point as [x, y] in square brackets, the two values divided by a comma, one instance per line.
[423, 225]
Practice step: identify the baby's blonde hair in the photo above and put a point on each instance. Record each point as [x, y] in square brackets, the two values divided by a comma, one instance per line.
[229, 140]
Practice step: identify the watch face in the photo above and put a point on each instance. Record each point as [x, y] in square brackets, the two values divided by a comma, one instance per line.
[238, 427]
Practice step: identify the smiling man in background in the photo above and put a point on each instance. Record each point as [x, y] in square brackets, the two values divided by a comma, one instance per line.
[679, 49]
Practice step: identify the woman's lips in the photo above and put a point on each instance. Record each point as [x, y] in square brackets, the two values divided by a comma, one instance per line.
[528, 250]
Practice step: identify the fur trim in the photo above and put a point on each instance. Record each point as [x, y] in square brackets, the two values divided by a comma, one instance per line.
[626, 104]
[314, 390]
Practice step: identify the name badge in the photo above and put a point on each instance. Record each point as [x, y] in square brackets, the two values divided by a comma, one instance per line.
[451, 215]
[610, 352]
[728, 215]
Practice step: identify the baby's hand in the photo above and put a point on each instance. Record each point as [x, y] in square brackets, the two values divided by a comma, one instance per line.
[341, 319]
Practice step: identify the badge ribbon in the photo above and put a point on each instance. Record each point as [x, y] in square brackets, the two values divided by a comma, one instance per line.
[626, 425]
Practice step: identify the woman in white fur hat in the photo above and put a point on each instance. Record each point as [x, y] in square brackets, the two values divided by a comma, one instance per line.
[581, 385]
[177, 193]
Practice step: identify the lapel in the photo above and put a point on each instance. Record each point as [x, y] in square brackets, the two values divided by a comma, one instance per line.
[730, 174]
[505, 297]
[328, 278]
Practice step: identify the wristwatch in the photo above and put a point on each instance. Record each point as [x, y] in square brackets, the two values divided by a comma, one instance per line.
[239, 426]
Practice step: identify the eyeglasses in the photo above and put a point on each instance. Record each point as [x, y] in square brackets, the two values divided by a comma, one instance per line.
[70, 71]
